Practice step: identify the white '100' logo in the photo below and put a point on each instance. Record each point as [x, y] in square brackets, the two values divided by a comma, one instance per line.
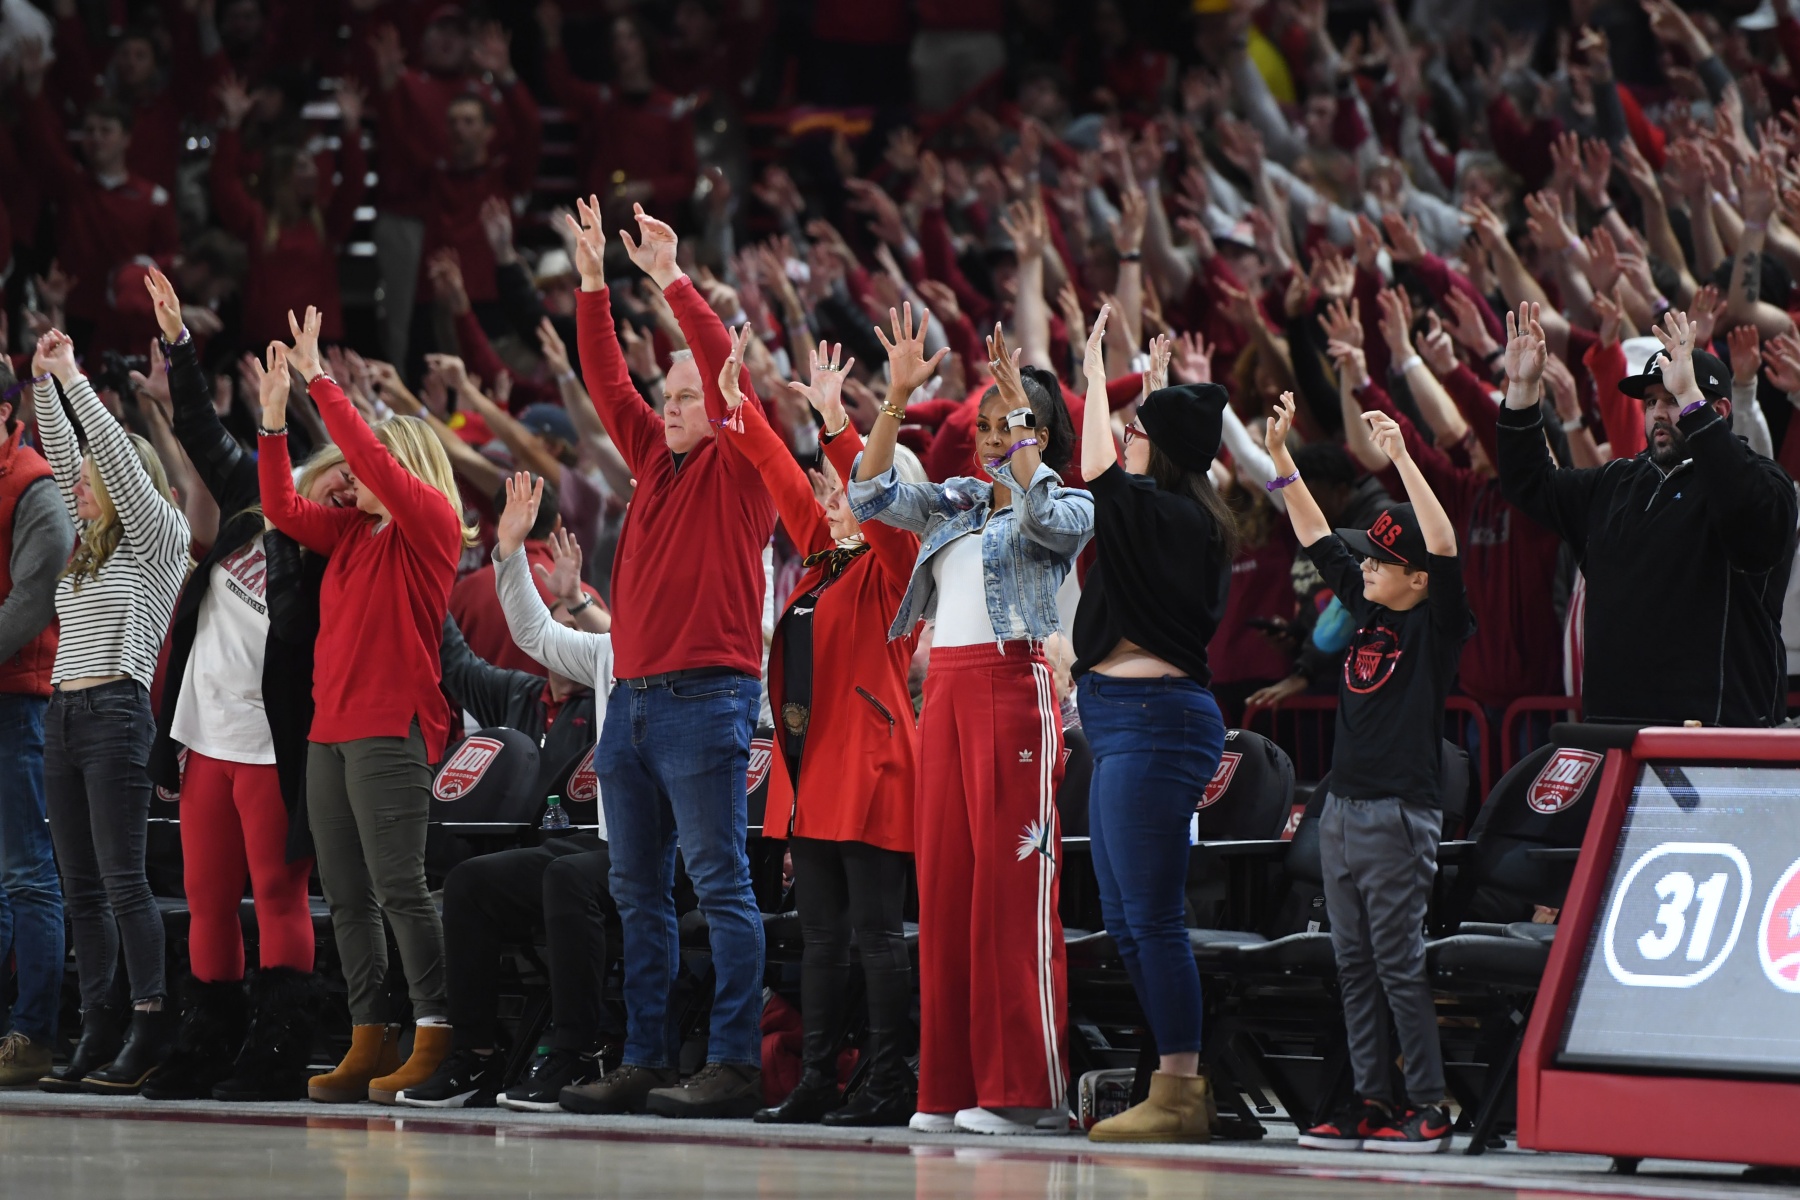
[1695, 895]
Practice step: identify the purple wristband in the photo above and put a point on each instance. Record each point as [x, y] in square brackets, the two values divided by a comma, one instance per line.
[1696, 406]
[1275, 485]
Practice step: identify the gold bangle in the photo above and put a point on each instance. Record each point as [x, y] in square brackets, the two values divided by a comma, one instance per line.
[899, 414]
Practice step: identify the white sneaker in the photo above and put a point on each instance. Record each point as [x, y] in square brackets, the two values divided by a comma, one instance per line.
[1014, 1122]
[924, 1122]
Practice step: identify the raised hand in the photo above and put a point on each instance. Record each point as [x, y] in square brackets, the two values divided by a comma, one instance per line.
[305, 354]
[1676, 334]
[1343, 322]
[1353, 367]
[1385, 432]
[1191, 361]
[1395, 322]
[166, 304]
[1094, 360]
[523, 495]
[1610, 310]
[449, 368]
[734, 365]
[1004, 363]
[653, 251]
[1525, 346]
[352, 102]
[590, 243]
[825, 388]
[1706, 309]
[1156, 375]
[234, 100]
[1404, 243]
[1467, 327]
[1277, 428]
[154, 387]
[272, 387]
[1782, 358]
[1436, 348]
[550, 345]
[497, 227]
[563, 579]
[908, 369]
[55, 355]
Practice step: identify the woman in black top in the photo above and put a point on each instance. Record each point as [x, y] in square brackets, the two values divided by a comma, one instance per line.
[1164, 540]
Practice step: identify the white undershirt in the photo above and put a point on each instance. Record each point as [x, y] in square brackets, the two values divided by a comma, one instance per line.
[220, 712]
[962, 615]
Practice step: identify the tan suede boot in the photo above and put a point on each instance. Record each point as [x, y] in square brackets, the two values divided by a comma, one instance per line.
[431, 1046]
[1178, 1109]
[374, 1050]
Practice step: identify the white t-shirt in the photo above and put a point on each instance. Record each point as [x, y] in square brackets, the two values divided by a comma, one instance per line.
[962, 615]
[220, 713]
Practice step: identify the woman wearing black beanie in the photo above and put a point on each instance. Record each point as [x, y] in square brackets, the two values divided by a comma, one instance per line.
[1164, 542]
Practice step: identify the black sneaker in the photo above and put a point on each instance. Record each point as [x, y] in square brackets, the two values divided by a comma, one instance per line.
[540, 1088]
[464, 1080]
[1415, 1131]
[1350, 1128]
[718, 1090]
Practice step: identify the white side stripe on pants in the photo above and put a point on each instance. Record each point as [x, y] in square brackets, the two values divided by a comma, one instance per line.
[1048, 715]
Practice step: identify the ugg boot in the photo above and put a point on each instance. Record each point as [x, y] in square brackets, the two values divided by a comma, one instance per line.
[431, 1046]
[374, 1051]
[210, 1035]
[1178, 1109]
[272, 1065]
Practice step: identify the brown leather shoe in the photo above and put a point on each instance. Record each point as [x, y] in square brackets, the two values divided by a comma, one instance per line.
[431, 1046]
[374, 1051]
[621, 1090]
[718, 1090]
[1178, 1109]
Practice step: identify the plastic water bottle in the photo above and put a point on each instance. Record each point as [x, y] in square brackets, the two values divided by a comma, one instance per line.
[556, 817]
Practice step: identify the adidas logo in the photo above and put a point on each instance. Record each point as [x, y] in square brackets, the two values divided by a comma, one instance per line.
[1024, 756]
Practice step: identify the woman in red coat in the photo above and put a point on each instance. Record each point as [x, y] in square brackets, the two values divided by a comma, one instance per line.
[837, 688]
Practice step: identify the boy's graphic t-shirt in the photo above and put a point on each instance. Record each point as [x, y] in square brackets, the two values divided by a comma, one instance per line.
[1397, 673]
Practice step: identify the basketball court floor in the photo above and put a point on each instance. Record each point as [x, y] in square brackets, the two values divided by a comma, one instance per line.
[57, 1148]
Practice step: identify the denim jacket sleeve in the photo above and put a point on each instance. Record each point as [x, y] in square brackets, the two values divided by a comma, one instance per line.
[1057, 518]
[885, 498]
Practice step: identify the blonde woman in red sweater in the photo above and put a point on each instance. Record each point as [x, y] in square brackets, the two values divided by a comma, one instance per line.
[378, 721]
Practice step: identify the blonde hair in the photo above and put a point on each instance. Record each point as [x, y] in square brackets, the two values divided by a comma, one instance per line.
[415, 447]
[323, 460]
[100, 536]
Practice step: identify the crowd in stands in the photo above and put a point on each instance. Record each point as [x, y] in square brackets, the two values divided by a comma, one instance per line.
[406, 368]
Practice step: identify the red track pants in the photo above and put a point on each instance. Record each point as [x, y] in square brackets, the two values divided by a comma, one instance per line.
[234, 825]
[992, 973]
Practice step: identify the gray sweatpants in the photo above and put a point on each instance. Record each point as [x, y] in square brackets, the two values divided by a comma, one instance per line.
[367, 802]
[1379, 858]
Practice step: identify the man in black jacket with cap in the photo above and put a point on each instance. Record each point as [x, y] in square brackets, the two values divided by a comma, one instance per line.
[1698, 527]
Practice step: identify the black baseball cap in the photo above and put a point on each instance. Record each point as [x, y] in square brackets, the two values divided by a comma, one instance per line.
[1712, 375]
[1394, 537]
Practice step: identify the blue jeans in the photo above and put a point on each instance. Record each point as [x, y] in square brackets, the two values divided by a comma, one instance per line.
[31, 908]
[1156, 743]
[672, 761]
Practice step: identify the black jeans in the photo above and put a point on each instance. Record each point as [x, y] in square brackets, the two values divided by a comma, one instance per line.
[560, 886]
[845, 890]
[97, 790]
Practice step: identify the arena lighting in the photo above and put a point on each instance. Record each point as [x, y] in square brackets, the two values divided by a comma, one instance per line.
[1668, 1022]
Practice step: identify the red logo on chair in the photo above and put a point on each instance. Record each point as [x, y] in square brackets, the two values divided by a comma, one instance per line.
[458, 777]
[1778, 942]
[1221, 780]
[762, 754]
[163, 793]
[583, 786]
[1562, 780]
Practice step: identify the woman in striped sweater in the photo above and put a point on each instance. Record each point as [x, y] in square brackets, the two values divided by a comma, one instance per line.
[114, 601]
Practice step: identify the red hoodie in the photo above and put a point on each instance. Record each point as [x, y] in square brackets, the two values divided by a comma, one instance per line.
[688, 583]
[386, 589]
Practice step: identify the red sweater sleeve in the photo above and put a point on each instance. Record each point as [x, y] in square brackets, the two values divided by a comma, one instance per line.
[895, 550]
[1477, 407]
[711, 345]
[931, 413]
[238, 211]
[1123, 390]
[632, 424]
[940, 263]
[1619, 413]
[1524, 148]
[787, 483]
[314, 526]
[424, 514]
[1440, 279]
[1652, 143]
[1375, 348]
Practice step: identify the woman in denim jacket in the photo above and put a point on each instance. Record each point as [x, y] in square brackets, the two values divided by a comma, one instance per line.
[993, 554]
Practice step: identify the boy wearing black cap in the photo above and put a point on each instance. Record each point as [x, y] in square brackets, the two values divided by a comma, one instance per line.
[1402, 582]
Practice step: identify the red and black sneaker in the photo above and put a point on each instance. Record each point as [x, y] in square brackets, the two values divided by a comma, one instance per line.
[1415, 1131]
[1350, 1128]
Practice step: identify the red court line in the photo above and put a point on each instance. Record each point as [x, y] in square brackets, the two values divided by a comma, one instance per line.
[1524, 1187]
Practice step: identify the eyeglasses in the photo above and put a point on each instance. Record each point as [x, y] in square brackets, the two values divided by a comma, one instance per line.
[1133, 432]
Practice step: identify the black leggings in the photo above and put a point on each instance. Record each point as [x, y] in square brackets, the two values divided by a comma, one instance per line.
[846, 889]
[560, 887]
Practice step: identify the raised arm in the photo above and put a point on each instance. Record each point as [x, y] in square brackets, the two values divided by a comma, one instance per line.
[877, 490]
[1434, 522]
[580, 655]
[764, 448]
[54, 429]
[314, 526]
[226, 471]
[1555, 499]
[1097, 453]
[1059, 518]
[156, 529]
[1309, 521]
[634, 426]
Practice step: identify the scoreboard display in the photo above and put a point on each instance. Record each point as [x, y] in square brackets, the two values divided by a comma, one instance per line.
[1694, 963]
[1667, 1024]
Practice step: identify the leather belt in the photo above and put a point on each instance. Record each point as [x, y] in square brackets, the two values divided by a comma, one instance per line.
[644, 683]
